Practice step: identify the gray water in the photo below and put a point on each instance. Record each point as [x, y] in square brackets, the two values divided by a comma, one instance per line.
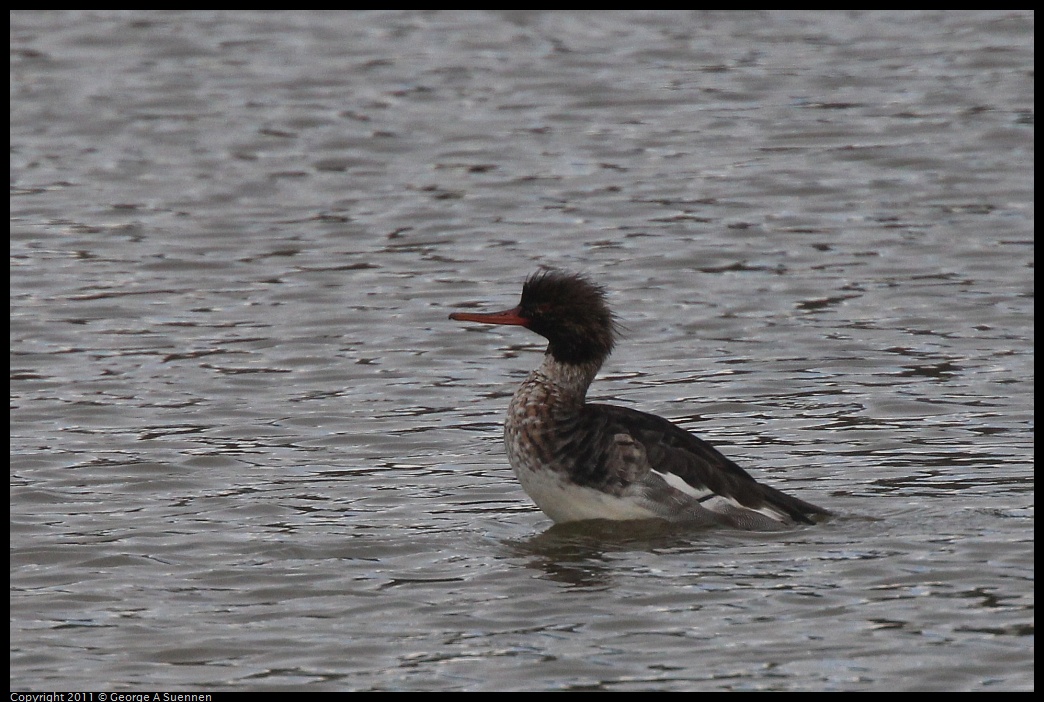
[249, 451]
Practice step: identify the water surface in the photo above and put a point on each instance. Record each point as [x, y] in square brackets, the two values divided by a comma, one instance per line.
[249, 451]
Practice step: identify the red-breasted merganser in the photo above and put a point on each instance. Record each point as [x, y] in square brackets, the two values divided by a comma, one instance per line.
[580, 460]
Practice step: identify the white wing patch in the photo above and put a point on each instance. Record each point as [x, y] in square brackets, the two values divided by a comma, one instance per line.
[721, 504]
[676, 482]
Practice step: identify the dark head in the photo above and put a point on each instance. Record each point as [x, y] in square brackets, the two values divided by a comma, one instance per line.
[567, 309]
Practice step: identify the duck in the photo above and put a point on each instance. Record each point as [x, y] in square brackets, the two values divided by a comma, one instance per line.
[580, 460]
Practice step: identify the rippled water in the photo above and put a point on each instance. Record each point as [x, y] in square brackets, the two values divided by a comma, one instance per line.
[249, 451]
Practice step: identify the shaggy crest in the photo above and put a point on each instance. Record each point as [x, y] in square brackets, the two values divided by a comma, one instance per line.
[569, 311]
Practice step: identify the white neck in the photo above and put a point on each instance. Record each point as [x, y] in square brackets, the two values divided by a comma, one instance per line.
[570, 380]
